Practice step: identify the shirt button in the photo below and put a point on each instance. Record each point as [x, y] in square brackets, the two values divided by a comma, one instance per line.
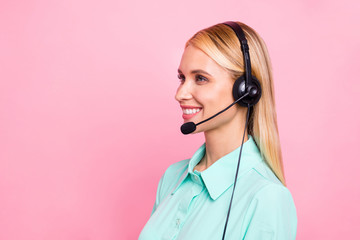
[196, 178]
[178, 222]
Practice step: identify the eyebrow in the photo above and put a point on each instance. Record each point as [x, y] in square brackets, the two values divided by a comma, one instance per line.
[197, 71]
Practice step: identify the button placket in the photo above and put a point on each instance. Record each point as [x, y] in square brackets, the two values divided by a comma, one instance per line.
[183, 208]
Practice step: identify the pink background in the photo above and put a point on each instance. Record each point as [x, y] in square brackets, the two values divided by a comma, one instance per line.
[88, 120]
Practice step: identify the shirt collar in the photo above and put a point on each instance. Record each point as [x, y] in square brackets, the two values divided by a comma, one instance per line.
[221, 174]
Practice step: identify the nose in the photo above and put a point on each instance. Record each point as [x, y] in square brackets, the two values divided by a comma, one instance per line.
[183, 92]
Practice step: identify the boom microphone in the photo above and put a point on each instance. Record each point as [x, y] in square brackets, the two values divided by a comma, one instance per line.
[190, 127]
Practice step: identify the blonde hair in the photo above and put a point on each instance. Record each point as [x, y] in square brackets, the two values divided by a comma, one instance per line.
[220, 43]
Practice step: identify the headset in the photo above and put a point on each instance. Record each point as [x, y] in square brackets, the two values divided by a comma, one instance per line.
[246, 85]
[246, 92]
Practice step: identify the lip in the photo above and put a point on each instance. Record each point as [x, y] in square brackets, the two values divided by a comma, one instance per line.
[188, 106]
[188, 116]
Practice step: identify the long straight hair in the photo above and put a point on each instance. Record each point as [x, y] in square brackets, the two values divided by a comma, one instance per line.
[220, 43]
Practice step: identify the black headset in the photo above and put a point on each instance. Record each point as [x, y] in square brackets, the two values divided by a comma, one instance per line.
[246, 92]
[246, 83]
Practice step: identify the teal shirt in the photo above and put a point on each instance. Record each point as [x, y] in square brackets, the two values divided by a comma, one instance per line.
[193, 205]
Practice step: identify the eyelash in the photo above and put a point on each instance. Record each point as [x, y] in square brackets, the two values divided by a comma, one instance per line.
[199, 78]
[181, 77]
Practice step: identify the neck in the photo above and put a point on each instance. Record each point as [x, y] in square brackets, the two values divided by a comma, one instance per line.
[222, 141]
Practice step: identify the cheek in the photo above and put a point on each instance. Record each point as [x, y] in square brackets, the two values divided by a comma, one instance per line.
[205, 96]
[223, 97]
[216, 102]
[214, 99]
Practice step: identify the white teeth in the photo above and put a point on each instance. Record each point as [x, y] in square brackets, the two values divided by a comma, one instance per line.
[191, 111]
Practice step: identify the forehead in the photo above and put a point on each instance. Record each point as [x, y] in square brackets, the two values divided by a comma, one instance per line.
[195, 59]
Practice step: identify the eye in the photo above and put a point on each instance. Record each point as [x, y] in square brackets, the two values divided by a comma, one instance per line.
[201, 79]
[181, 77]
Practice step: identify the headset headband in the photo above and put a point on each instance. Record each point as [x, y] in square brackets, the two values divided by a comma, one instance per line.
[244, 48]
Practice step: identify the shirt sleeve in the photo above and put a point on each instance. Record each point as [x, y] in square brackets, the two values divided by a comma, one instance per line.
[271, 215]
[158, 194]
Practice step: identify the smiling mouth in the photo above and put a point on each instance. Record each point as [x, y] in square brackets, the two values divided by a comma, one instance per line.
[190, 111]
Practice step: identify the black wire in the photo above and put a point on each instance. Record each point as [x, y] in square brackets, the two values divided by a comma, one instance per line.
[237, 171]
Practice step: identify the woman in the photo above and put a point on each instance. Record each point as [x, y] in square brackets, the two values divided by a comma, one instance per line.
[198, 198]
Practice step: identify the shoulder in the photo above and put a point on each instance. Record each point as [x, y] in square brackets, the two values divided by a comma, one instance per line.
[177, 167]
[171, 177]
[271, 210]
[260, 176]
[273, 196]
[268, 189]
[174, 172]
[264, 187]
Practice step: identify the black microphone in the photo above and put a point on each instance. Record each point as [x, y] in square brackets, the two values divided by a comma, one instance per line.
[190, 127]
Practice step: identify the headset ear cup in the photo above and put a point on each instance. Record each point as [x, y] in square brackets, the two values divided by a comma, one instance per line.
[239, 89]
[254, 94]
